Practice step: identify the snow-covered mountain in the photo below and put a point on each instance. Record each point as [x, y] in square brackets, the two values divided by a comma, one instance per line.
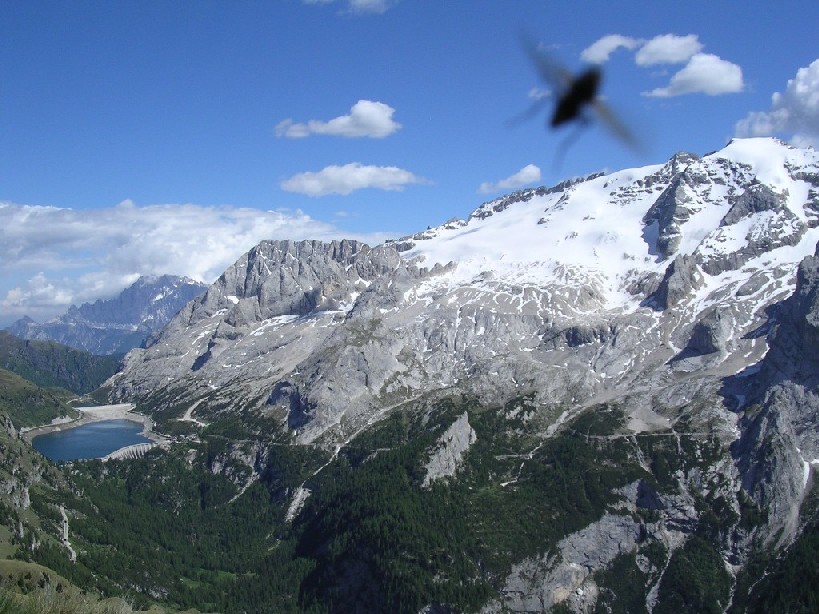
[608, 232]
[682, 294]
[574, 291]
[116, 325]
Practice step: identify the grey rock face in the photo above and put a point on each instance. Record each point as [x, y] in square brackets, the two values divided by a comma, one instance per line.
[674, 207]
[794, 344]
[578, 335]
[711, 331]
[537, 585]
[780, 439]
[8, 426]
[811, 205]
[681, 278]
[279, 278]
[449, 453]
[756, 199]
[800, 319]
[276, 305]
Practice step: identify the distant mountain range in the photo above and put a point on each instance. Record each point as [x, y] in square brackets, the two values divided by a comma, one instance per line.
[119, 324]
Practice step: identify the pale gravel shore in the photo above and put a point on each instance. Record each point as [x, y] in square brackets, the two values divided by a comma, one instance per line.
[121, 411]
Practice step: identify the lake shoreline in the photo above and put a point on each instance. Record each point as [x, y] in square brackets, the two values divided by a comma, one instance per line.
[120, 411]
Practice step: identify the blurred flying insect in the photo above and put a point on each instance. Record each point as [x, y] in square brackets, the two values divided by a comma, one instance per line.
[576, 98]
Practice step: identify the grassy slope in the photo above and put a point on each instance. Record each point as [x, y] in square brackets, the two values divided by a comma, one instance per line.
[30, 405]
[30, 588]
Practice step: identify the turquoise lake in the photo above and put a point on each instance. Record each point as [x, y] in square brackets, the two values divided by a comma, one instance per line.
[92, 440]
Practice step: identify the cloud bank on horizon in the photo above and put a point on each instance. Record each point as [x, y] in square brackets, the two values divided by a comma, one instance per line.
[64, 256]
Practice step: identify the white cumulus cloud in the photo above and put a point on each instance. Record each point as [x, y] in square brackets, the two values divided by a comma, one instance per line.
[52, 257]
[360, 6]
[525, 176]
[365, 119]
[599, 51]
[705, 73]
[794, 111]
[668, 49]
[348, 178]
[369, 6]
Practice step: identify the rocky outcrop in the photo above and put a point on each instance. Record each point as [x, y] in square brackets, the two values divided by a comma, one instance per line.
[537, 585]
[793, 357]
[797, 336]
[449, 452]
[674, 207]
[8, 426]
[280, 278]
[289, 278]
[756, 199]
[711, 332]
[578, 335]
[682, 277]
[758, 222]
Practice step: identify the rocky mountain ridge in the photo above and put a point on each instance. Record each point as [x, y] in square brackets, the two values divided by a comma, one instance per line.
[676, 303]
[116, 325]
[352, 329]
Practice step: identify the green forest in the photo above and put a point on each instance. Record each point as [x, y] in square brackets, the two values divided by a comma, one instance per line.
[168, 528]
[50, 365]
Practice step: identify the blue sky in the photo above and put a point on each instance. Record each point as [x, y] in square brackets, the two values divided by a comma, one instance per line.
[145, 137]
